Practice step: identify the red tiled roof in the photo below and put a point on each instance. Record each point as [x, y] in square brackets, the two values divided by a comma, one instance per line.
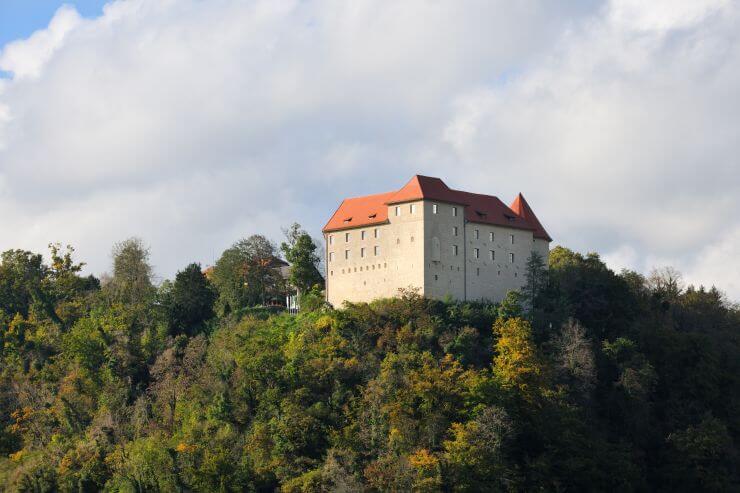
[360, 211]
[523, 210]
[485, 209]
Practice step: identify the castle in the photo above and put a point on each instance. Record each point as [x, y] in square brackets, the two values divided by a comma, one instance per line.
[429, 237]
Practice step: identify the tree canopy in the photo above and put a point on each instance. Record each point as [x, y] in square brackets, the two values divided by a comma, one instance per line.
[587, 380]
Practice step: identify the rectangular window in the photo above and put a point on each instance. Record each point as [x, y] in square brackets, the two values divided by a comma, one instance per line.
[412, 208]
[454, 250]
[346, 237]
[362, 235]
[454, 231]
[331, 256]
[376, 250]
[511, 257]
[490, 236]
[477, 271]
[331, 239]
[476, 234]
[346, 254]
[476, 253]
[511, 237]
[376, 233]
[398, 210]
[435, 208]
[362, 252]
[454, 211]
[492, 254]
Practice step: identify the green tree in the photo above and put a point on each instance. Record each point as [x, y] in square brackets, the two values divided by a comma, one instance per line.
[189, 303]
[300, 252]
[132, 273]
[246, 274]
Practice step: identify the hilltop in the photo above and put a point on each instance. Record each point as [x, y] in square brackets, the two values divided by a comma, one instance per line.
[586, 379]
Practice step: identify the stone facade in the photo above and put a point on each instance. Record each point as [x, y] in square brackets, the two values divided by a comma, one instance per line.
[429, 245]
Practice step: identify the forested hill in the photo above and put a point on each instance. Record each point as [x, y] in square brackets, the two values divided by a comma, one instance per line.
[587, 380]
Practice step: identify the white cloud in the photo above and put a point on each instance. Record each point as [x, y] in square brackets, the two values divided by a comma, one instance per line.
[193, 123]
[26, 58]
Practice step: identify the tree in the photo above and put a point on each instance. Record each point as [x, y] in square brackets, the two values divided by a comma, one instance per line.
[476, 453]
[246, 274]
[575, 357]
[517, 364]
[132, 273]
[21, 277]
[300, 252]
[190, 301]
[535, 281]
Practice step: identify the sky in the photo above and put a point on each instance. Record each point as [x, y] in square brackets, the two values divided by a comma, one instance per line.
[192, 124]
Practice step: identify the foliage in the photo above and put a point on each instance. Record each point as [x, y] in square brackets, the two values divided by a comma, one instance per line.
[585, 381]
[189, 303]
[300, 252]
[245, 274]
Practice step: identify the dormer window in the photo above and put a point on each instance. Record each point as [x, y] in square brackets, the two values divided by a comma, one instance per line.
[348, 220]
[372, 216]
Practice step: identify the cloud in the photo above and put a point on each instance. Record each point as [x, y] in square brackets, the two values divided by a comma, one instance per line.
[26, 58]
[193, 123]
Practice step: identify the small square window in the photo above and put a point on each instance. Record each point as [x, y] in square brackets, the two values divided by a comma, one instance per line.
[511, 257]
[398, 210]
[435, 208]
[454, 211]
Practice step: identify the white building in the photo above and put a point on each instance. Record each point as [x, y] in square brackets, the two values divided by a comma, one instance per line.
[426, 236]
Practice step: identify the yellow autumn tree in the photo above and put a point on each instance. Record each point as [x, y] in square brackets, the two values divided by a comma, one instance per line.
[517, 364]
